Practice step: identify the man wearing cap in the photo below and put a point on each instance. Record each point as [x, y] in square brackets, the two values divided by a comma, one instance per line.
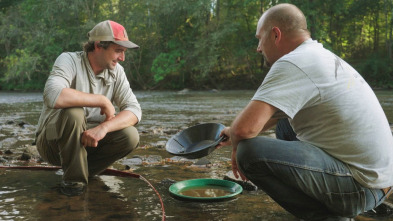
[79, 129]
[333, 158]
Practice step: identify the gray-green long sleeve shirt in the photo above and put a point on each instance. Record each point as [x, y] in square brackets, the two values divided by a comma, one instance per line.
[73, 70]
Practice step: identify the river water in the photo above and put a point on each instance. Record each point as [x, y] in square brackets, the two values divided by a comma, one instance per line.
[33, 195]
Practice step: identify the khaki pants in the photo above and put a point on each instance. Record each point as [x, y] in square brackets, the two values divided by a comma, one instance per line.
[59, 143]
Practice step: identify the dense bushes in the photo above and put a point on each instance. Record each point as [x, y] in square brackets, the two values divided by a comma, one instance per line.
[195, 44]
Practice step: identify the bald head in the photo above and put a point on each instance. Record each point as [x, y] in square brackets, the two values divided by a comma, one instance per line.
[280, 30]
[287, 17]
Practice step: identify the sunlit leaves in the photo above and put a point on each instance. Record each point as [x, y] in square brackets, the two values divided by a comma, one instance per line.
[192, 43]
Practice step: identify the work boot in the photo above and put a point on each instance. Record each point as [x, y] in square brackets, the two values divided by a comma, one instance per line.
[382, 211]
[72, 188]
[337, 218]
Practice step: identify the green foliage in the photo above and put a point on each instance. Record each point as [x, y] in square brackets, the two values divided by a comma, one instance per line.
[19, 66]
[168, 63]
[377, 70]
[195, 44]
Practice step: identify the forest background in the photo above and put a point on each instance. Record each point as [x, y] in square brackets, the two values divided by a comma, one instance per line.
[196, 44]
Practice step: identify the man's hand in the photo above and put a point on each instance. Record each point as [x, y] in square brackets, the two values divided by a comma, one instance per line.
[73, 98]
[227, 141]
[248, 124]
[123, 119]
[108, 109]
[91, 137]
[235, 169]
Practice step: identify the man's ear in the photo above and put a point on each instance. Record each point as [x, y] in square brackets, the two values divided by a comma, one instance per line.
[97, 45]
[277, 34]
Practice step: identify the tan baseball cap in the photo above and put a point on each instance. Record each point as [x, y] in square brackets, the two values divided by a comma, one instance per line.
[111, 31]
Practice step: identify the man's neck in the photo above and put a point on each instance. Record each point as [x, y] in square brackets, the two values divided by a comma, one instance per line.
[94, 63]
[295, 41]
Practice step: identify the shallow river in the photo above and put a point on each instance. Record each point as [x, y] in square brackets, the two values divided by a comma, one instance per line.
[33, 195]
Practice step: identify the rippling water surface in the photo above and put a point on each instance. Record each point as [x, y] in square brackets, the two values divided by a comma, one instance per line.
[33, 195]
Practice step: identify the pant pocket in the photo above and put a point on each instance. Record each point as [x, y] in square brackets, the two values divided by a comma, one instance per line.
[346, 204]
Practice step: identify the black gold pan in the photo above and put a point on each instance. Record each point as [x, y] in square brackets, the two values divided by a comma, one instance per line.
[196, 141]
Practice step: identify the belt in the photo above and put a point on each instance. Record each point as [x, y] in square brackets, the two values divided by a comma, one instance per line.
[386, 191]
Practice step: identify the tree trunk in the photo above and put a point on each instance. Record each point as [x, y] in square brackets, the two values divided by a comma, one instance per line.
[389, 26]
[376, 31]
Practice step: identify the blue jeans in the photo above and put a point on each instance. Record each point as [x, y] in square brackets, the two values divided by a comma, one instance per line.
[303, 179]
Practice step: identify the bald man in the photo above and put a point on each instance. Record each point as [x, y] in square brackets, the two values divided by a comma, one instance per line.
[333, 158]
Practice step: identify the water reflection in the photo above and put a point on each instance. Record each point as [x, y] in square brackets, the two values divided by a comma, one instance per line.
[32, 195]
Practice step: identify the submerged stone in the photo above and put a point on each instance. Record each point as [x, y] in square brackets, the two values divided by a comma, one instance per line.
[178, 159]
[160, 144]
[202, 163]
[22, 124]
[8, 142]
[3, 160]
[8, 152]
[153, 159]
[133, 161]
[25, 157]
[167, 182]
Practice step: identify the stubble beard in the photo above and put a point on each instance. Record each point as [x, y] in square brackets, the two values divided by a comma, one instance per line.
[265, 62]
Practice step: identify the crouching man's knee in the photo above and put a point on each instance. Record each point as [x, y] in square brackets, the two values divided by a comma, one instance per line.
[245, 150]
[74, 114]
[131, 138]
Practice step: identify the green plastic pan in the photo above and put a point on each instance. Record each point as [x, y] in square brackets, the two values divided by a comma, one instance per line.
[205, 190]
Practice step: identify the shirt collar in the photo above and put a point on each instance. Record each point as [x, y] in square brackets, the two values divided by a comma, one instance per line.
[106, 75]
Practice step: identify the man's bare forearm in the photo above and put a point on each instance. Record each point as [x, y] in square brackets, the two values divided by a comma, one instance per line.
[120, 121]
[72, 98]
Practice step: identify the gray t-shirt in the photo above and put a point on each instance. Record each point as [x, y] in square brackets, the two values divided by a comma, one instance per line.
[331, 106]
[73, 70]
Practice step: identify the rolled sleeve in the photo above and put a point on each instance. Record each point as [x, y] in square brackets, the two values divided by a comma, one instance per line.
[135, 109]
[124, 98]
[284, 88]
[60, 77]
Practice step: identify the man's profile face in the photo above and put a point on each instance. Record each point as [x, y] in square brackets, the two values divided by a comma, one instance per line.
[112, 55]
[263, 42]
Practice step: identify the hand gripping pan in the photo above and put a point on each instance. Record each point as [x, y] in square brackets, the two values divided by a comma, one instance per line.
[196, 141]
